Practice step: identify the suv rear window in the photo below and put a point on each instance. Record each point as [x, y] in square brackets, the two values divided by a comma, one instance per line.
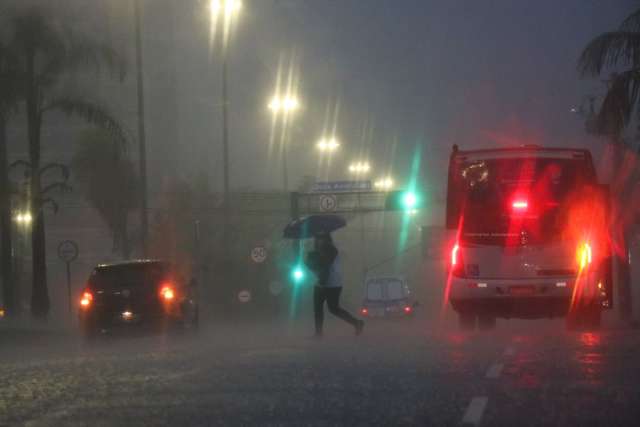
[129, 275]
[375, 291]
[386, 290]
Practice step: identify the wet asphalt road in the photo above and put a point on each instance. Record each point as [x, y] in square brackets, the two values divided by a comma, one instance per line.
[398, 373]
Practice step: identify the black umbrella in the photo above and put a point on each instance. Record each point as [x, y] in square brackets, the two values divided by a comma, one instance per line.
[312, 225]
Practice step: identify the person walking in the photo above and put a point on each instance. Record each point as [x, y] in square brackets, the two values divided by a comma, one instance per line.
[324, 261]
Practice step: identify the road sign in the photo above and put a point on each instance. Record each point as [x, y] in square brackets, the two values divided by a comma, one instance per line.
[328, 203]
[244, 296]
[259, 254]
[336, 186]
[276, 287]
[68, 251]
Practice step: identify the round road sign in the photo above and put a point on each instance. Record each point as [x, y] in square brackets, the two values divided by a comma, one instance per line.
[244, 296]
[328, 203]
[259, 254]
[68, 250]
[276, 287]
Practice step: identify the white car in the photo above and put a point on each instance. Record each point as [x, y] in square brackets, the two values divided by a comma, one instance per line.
[387, 297]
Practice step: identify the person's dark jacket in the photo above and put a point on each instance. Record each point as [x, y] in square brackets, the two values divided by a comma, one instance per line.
[320, 263]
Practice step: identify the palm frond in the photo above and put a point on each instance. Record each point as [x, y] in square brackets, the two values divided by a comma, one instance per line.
[63, 169]
[631, 22]
[613, 49]
[62, 186]
[82, 53]
[92, 113]
[619, 103]
[35, 31]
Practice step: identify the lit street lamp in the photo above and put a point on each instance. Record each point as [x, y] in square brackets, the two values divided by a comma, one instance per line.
[23, 218]
[225, 11]
[284, 105]
[328, 145]
[359, 168]
[228, 7]
[384, 184]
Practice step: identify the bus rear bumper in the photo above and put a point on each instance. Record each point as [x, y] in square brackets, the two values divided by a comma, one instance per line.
[526, 299]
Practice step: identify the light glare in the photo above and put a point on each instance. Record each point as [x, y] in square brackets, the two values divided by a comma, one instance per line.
[286, 104]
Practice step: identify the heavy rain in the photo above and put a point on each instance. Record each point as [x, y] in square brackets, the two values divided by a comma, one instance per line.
[319, 213]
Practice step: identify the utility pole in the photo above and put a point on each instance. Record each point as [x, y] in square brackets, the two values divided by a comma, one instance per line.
[225, 125]
[285, 168]
[144, 220]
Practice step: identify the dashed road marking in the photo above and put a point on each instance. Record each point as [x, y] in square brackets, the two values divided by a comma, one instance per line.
[475, 410]
[495, 370]
[510, 351]
[272, 352]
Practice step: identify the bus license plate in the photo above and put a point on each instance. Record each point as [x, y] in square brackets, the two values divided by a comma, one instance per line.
[519, 291]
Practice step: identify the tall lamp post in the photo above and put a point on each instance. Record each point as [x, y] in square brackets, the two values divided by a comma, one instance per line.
[142, 157]
[285, 106]
[224, 12]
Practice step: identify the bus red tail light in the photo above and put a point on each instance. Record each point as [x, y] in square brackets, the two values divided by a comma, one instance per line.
[584, 255]
[454, 255]
[520, 205]
[86, 300]
[457, 263]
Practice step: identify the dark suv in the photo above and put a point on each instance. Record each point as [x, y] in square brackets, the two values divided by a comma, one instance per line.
[137, 294]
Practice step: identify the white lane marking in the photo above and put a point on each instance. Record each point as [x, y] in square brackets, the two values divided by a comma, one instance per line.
[510, 351]
[475, 410]
[495, 370]
[272, 352]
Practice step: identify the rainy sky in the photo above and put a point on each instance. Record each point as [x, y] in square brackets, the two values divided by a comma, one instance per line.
[414, 73]
[388, 77]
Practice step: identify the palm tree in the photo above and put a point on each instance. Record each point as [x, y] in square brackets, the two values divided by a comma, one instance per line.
[618, 53]
[9, 89]
[109, 183]
[47, 51]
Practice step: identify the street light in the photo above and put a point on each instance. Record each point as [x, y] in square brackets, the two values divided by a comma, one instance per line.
[285, 105]
[228, 7]
[328, 145]
[359, 168]
[24, 218]
[384, 184]
[226, 10]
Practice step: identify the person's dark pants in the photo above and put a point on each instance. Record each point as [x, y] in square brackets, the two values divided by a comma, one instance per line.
[332, 296]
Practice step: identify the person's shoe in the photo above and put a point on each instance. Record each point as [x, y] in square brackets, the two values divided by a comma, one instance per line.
[359, 327]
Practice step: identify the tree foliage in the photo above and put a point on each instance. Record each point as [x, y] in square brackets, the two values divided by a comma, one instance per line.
[108, 181]
[618, 53]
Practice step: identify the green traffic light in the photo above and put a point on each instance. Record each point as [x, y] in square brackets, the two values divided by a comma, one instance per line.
[404, 200]
[410, 200]
[297, 274]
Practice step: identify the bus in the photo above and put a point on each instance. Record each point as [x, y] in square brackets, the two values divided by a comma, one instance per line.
[531, 236]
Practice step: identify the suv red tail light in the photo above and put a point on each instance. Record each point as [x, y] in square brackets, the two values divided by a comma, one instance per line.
[167, 293]
[86, 300]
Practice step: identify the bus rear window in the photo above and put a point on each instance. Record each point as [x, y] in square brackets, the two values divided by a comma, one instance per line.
[511, 199]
